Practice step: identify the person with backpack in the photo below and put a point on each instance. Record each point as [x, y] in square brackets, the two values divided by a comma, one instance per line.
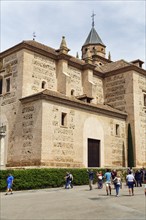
[70, 180]
[67, 180]
[99, 179]
[117, 183]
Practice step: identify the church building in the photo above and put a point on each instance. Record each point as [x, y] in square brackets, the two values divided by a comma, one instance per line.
[62, 111]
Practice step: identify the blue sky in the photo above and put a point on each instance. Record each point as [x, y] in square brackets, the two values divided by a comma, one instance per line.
[120, 24]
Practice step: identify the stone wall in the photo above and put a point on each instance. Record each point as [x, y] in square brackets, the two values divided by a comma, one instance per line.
[24, 144]
[66, 146]
[125, 91]
[38, 69]
[97, 90]
[140, 119]
[115, 91]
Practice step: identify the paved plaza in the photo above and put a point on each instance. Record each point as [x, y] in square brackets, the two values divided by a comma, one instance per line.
[77, 203]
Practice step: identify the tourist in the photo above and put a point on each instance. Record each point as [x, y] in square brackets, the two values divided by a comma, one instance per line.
[70, 180]
[117, 183]
[130, 183]
[67, 180]
[114, 174]
[99, 179]
[142, 171]
[107, 177]
[10, 180]
[144, 180]
[138, 178]
[91, 177]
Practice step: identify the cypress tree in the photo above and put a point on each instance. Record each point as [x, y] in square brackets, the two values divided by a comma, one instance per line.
[130, 148]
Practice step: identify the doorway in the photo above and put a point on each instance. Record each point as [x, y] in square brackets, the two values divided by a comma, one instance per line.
[93, 153]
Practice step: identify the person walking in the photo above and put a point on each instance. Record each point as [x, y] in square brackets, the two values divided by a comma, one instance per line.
[91, 177]
[130, 183]
[70, 180]
[67, 180]
[117, 183]
[99, 180]
[113, 174]
[107, 177]
[138, 178]
[10, 181]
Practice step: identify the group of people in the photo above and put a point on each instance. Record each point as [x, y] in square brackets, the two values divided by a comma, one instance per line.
[113, 177]
[139, 176]
[110, 177]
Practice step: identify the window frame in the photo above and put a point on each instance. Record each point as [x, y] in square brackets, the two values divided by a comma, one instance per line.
[63, 119]
[8, 85]
[117, 130]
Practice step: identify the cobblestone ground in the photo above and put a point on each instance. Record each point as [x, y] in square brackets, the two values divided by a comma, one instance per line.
[77, 203]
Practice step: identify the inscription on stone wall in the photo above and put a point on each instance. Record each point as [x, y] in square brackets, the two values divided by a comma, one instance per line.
[63, 140]
[10, 65]
[27, 132]
[121, 132]
[44, 69]
[98, 90]
[142, 116]
[117, 152]
[114, 91]
[75, 80]
[8, 98]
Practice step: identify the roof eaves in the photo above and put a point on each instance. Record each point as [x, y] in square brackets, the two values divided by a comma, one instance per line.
[62, 99]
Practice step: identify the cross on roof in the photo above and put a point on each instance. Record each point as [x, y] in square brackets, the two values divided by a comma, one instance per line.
[93, 15]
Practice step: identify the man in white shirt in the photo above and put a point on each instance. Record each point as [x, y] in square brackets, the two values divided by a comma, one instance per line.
[130, 183]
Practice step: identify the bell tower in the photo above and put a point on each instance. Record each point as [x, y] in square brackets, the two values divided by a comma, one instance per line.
[93, 44]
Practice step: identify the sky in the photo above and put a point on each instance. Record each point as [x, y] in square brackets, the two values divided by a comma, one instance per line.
[120, 24]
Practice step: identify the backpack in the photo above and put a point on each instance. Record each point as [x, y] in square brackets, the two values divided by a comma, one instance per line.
[70, 177]
[115, 181]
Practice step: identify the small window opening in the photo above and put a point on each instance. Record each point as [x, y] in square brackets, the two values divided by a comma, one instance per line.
[145, 100]
[1, 86]
[8, 85]
[43, 85]
[64, 119]
[117, 129]
[72, 92]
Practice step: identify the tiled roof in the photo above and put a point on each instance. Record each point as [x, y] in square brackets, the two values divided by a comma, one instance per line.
[74, 101]
[93, 38]
[114, 66]
[40, 46]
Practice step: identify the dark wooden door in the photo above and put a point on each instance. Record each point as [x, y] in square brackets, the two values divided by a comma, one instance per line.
[93, 153]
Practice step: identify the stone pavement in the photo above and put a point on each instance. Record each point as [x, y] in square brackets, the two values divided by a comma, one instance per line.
[78, 203]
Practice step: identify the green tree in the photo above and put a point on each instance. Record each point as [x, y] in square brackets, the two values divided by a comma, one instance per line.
[130, 148]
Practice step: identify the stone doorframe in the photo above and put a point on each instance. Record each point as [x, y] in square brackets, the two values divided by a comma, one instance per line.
[93, 129]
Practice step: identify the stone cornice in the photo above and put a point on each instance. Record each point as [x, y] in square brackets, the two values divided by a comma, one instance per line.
[25, 45]
[50, 52]
[73, 102]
